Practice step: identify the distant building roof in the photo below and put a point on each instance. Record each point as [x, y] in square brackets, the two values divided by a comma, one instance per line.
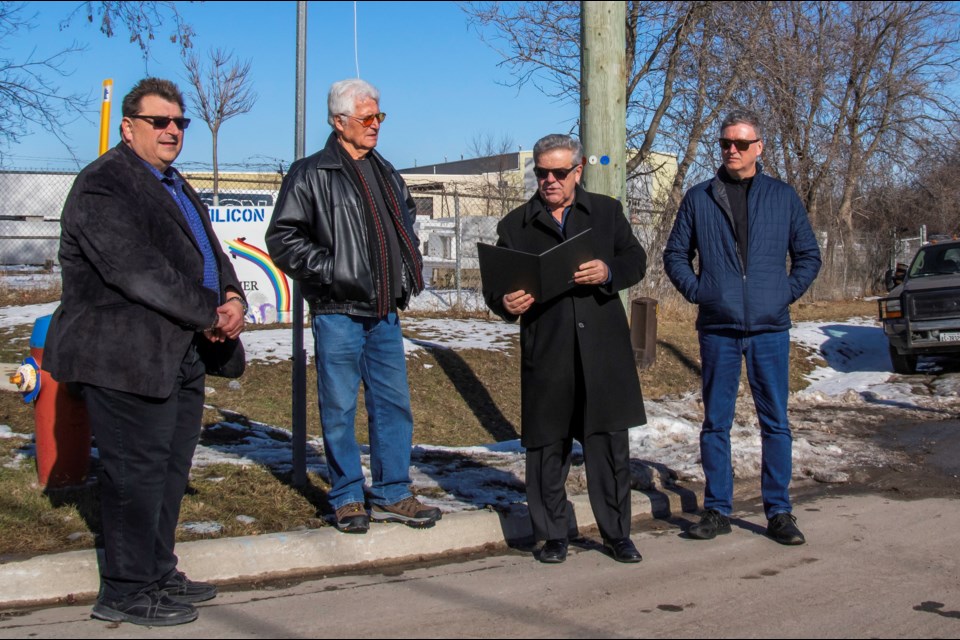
[471, 167]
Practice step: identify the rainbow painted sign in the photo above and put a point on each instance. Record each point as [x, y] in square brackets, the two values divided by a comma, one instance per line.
[266, 287]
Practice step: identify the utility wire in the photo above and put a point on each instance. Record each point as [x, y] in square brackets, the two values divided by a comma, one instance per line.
[356, 49]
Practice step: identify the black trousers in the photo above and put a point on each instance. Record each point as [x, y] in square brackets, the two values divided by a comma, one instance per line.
[146, 448]
[606, 457]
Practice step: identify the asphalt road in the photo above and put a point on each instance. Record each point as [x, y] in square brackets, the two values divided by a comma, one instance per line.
[873, 567]
[881, 560]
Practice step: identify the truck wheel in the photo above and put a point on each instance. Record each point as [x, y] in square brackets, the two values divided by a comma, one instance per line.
[905, 364]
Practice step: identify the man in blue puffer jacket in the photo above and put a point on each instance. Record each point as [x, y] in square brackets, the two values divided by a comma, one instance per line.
[741, 226]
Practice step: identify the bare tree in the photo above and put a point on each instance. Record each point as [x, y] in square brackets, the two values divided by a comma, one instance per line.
[849, 90]
[683, 67]
[29, 93]
[899, 58]
[856, 94]
[220, 92]
[141, 20]
[499, 193]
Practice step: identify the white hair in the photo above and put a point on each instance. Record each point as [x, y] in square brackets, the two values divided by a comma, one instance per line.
[344, 95]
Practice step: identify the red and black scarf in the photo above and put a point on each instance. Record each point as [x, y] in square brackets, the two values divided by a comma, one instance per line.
[378, 244]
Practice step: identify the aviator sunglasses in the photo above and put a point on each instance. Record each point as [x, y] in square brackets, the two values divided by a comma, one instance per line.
[742, 145]
[162, 122]
[559, 174]
[368, 120]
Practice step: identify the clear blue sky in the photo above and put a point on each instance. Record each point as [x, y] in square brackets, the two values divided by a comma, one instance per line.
[439, 83]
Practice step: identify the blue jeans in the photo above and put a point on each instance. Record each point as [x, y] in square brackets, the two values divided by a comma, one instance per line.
[768, 367]
[350, 349]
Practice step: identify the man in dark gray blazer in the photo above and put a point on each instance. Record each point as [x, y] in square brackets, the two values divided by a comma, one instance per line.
[144, 283]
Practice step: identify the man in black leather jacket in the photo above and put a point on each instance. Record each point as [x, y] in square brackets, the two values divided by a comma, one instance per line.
[343, 228]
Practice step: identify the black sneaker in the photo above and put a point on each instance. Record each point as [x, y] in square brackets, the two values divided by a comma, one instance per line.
[182, 589]
[152, 608]
[782, 528]
[712, 523]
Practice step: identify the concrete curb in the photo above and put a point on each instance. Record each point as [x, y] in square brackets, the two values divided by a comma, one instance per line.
[66, 577]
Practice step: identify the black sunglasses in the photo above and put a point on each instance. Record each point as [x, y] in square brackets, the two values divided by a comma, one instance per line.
[742, 145]
[559, 174]
[162, 122]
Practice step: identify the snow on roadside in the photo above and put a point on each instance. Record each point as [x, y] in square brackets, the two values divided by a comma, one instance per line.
[855, 370]
[856, 356]
[16, 316]
[276, 345]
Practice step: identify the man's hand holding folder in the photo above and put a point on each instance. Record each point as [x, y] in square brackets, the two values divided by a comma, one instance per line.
[524, 278]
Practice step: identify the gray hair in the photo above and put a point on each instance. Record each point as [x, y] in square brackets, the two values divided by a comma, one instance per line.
[558, 141]
[743, 116]
[344, 95]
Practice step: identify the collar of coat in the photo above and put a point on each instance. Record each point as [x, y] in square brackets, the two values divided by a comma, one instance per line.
[537, 210]
[719, 191]
[717, 182]
[329, 156]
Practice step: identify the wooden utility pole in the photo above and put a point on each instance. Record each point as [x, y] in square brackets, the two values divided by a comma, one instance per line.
[603, 99]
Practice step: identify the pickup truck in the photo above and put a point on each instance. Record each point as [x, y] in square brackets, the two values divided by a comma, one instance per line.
[921, 315]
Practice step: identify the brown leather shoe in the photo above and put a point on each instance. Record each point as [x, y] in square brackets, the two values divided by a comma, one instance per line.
[352, 518]
[409, 511]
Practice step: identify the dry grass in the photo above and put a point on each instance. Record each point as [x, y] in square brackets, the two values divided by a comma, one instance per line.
[459, 398]
[221, 493]
[17, 297]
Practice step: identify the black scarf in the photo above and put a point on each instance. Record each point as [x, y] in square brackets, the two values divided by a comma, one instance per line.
[376, 234]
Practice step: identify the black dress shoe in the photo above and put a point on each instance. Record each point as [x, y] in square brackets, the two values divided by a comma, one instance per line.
[782, 528]
[151, 608]
[180, 588]
[553, 551]
[623, 550]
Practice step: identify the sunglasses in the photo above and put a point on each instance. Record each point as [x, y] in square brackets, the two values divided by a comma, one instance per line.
[368, 120]
[742, 145]
[559, 174]
[162, 122]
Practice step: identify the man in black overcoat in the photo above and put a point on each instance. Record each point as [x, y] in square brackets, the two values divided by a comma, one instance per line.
[578, 376]
[144, 282]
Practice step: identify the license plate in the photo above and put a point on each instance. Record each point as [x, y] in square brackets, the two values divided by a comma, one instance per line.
[953, 336]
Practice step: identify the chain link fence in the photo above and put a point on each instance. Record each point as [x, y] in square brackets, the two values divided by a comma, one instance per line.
[30, 206]
[31, 203]
[451, 220]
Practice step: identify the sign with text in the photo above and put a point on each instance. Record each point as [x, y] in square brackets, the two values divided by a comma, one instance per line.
[241, 230]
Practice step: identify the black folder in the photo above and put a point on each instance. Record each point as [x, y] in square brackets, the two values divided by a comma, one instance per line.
[544, 276]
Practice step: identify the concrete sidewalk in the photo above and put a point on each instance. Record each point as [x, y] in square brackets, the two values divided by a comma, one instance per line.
[65, 577]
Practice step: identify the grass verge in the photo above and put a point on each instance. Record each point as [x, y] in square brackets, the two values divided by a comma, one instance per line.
[460, 398]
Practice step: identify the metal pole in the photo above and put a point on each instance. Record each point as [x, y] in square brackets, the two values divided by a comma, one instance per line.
[603, 99]
[456, 238]
[299, 417]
